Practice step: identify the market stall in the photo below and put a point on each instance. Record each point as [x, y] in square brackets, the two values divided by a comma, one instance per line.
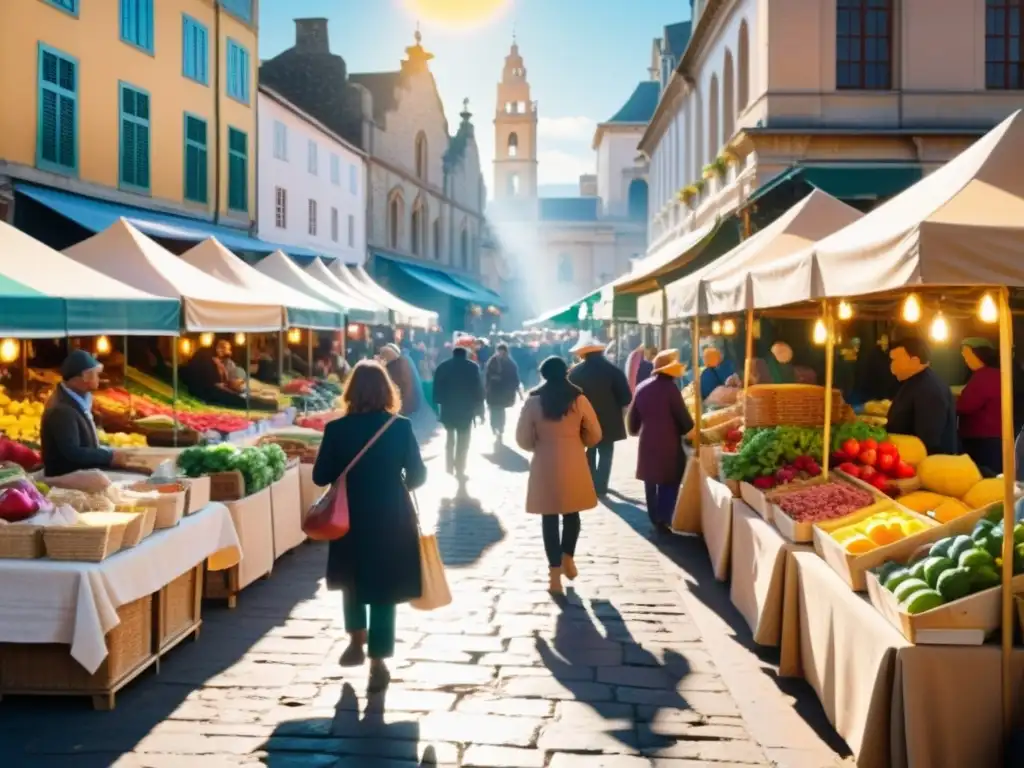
[403, 313]
[361, 308]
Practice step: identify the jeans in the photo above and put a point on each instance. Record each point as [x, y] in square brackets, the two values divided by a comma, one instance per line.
[457, 447]
[661, 502]
[600, 459]
[555, 547]
[381, 636]
[498, 419]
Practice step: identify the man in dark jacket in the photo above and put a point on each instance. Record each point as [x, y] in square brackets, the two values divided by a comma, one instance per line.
[607, 389]
[68, 433]
[924, 405]
[459, 397]
[500, 388]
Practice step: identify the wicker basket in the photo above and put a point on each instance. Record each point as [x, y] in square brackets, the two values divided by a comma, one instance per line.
[84, 542]
[140, 527]
[21, 542]
[790, 405]
[81, 501]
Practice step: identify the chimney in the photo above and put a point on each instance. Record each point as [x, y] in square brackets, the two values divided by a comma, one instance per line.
[311, 36]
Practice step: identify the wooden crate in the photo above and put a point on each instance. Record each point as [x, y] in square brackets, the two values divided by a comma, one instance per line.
[49, 669]
[227, 486]
[177, 610]
[253, 521]
[852, 568]
[198, 493]
[803, 532]
[756, 500]
[967, 621]
[286, 510]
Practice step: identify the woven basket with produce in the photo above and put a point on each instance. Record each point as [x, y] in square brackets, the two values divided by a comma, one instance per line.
[791, 405]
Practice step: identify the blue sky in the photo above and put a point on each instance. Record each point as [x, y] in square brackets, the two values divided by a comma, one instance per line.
[583, 58]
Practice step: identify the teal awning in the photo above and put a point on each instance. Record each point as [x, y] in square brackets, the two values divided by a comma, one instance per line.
[567, 315]
[449, 284]
[846, 182]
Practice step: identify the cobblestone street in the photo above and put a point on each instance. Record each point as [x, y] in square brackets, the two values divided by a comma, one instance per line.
[644, 665]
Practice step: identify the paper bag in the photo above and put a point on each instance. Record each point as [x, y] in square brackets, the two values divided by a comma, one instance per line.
[435, 585]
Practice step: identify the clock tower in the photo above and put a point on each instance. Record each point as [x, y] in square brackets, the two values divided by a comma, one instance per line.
[515, 133]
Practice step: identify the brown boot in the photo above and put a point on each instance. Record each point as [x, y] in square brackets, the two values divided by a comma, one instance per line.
[555, 581]
[355, 654]
[569, 567]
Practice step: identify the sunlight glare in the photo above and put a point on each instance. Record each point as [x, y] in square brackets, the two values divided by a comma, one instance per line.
[456, 13]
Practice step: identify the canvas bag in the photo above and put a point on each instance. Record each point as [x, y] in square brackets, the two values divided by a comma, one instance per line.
[328, 518]
[435, 592]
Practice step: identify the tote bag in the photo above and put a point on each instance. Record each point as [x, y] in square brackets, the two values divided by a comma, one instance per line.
[328, 518]
[435, 592]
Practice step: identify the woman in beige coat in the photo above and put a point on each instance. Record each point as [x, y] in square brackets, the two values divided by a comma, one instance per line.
[557, 425]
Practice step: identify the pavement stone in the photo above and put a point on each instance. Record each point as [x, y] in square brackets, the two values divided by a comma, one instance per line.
[616, 674]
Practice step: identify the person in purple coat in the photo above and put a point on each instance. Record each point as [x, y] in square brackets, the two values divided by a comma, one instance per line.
[660, 418]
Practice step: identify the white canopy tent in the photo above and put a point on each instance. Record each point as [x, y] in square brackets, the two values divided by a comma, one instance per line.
[281, 268]
[360, 308]
[404, 312]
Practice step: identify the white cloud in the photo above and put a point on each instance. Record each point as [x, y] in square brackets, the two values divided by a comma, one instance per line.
[556, 167]
[566, 128]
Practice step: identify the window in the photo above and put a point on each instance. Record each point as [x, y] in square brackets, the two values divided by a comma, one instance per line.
[312, 217]
[71, 6]
[351, 231]
[395, 213]
[513, 145]
[864, 45]
[280, 141]
[238, 72]
[57, 148]
[196, 160]
[464, 247]
[240, 8]
[513, 184]
[238, 170]
[311, 161]
[137, 23]
[335, 170]
[416, 226]
[334, 224]
[134, 122]
[195, 51]
[1004, 69]
[421, 156]
[281, 207]
[353, 180]
[565, 268]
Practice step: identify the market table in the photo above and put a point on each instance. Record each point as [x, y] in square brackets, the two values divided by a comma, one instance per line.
[81, 628]
[760, 556]
[686, 518]
[716, 502]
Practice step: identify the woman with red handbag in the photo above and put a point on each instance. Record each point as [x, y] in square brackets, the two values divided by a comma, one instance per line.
[371, 455]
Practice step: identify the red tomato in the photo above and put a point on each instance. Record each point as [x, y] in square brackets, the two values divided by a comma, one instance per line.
[886, 448]
[868, 456]
[879, 481]
[851, 448]
[887, 462]
[869, 445]
[866, 473]
[849, 468]
[904, 471]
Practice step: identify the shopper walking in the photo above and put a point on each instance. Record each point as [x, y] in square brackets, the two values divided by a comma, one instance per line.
[660, 418]
[557, 424]
[501, 385]
[459, 397]
[376, 565]
[607, 389]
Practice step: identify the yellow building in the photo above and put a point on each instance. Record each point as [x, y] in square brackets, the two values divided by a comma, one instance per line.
[148, 103]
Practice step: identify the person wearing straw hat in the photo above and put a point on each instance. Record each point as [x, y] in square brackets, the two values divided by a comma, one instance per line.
[979, 407]
[607, 389]
[660, 418]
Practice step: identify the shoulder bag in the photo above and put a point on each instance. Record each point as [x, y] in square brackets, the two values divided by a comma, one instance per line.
[328, 518]
[435, 593]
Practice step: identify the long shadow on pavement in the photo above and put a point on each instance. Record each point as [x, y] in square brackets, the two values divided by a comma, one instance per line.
[507, 459]
[40, 732]
[690, 554]
[465, 531]
[348, 739]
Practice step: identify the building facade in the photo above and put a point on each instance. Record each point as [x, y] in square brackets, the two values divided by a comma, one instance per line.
[557, 249]
[312, 182]
[863, 96]
[141, 103]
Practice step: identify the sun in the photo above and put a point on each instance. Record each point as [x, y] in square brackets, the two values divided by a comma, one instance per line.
[457, 13]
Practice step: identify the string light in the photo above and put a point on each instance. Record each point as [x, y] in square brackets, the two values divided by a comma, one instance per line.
[939, 330]
[102, 346]
[729, 327]
[820, 332]
[185, 347]
[239, 339]
[206, 339]
[845, 311]
[987, 310]
[716, 328]
[9, 350]
[912, 309]
[294, 336]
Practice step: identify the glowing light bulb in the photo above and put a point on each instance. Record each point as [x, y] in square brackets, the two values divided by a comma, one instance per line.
[239, 339]
[845, 311]
[9, 350]
[820, 332]
[185, 347]
[102, 346]
[294, 336]
[939, 330]
[912, 309]
[987, 310]
[716, 328]
[206, 339]
[729, 327]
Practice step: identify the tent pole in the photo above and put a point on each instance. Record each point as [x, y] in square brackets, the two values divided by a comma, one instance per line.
[664, 318]
[280, 358]
[748, 359]
[24, 367]
[309, 349]
[698, 404]
[1009, 479]
[248, 374]
[826, 432]
[126, 388]
[174, 387]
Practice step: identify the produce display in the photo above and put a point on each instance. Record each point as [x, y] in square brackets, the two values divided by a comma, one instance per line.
[825, 501]
[885, 526]
[876, 413]
[161, 392]
[954, 567]
[260, 465]
[20, 497]
[317, 421]
[116, 402]
[312, 395]
[15, 453]
[876, 463]
[944, 476]
[949, 475]
[20, 419]
[770, 456]
[121, 439]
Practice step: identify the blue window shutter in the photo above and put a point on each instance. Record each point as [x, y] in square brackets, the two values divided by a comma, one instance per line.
[135, 140]
[203, 55]
[137, 23]
[196, 160]
[194, 50]
[58, 111]
[238, 170]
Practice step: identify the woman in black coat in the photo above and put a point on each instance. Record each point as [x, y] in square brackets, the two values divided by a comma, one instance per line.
[376, 565]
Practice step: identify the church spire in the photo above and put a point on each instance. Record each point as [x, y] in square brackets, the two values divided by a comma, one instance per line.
[417, 57]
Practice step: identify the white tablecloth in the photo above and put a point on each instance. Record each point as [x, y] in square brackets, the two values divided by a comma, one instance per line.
[48, 601]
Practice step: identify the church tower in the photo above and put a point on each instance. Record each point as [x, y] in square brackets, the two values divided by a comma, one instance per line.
[515, 133]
